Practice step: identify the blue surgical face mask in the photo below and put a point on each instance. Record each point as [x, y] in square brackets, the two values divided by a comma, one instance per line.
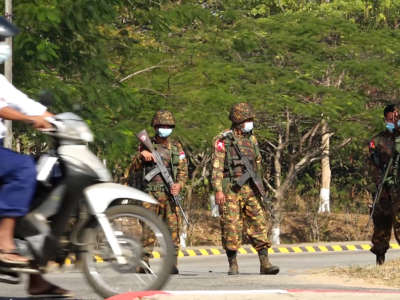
[248, 126]
[164, 132]
[390, 125]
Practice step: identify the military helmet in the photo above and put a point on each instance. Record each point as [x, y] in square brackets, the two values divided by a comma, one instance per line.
[163, 117]
[241, 112]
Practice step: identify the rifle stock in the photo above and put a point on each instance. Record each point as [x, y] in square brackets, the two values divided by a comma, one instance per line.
[144, 138]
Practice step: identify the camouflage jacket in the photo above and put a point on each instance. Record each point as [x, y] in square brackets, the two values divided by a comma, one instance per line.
[380, 150]
[225, 164]
[173, 157]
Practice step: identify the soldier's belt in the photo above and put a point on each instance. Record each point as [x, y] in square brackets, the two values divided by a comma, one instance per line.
[155, 188]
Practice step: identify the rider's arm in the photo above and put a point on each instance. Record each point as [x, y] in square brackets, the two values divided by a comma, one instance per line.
[9, 113]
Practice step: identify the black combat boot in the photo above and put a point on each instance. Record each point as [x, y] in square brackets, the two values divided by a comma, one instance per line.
[174, 269]
[380, 259]
[233, 265]
[265, 266]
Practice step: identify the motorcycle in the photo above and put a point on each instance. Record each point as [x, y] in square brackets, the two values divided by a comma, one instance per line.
[78, 213]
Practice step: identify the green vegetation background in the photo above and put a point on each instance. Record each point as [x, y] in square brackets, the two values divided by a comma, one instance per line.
[116, 62]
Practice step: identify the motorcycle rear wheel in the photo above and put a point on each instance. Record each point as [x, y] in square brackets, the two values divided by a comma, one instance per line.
[144, 270]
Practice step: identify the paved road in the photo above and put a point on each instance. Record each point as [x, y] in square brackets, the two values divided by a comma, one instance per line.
[209, 273]
[202, 273]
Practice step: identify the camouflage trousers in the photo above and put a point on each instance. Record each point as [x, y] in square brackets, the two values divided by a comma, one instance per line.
[242, 210]
[168, 214]
[386, 216]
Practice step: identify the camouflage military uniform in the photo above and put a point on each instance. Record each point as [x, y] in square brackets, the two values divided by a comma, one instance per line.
[387, 211]
[242, 205]
[242, 208]
[175, 161]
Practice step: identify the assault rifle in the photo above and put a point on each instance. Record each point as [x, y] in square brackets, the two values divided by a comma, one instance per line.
[394, 159]
[249, 173]
[380, 188]
[160, 168]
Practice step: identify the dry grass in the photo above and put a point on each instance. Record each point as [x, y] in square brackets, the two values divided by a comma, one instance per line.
[295, 228]
[387, 275]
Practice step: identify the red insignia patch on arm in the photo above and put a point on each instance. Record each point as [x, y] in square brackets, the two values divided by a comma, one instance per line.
[220, 146]
[372, 145]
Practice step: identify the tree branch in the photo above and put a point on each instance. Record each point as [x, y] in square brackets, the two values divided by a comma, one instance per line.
[345, 142]
[269, 186]
[140, 72]
[271, 144]
[287, 129]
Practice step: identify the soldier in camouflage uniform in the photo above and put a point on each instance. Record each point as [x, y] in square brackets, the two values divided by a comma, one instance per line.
[174, 158]
[240, 206]
[387, 211]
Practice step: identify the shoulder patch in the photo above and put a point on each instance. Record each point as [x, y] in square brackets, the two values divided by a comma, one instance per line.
[219, 145]
[372, 144]
[182, 155]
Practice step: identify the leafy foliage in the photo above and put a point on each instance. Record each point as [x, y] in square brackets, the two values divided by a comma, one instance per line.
[118, 61]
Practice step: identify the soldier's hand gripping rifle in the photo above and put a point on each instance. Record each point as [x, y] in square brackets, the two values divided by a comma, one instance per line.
[160, 169]
[249, 173]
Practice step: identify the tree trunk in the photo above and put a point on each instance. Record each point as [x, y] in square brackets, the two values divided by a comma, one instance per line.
[201, 164]
[213, 206]
[324, 205]
[276, 212]
[276, 224]
[8, 75]
[188, 208]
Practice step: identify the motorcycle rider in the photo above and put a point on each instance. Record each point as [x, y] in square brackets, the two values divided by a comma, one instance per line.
[18, 171]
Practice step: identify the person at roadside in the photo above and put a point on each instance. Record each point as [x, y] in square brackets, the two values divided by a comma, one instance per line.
[386, 213]
[174, 158]
[240, 206]
[18, 171]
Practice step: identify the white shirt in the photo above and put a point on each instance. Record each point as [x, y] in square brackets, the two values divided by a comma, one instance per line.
[10, 96]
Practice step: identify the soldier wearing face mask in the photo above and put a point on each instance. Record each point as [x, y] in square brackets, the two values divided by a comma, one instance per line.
[240, 205]
[386, 213]
[175, 161]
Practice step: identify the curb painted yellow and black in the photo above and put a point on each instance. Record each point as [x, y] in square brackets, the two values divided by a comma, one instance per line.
[287, 249]
[250, 250]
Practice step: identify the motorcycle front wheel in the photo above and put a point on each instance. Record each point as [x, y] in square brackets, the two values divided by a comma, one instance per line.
[145, 243]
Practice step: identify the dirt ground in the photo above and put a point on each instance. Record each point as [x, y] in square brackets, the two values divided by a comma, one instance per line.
[295, 228]
[384, 275]
[328, 276]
